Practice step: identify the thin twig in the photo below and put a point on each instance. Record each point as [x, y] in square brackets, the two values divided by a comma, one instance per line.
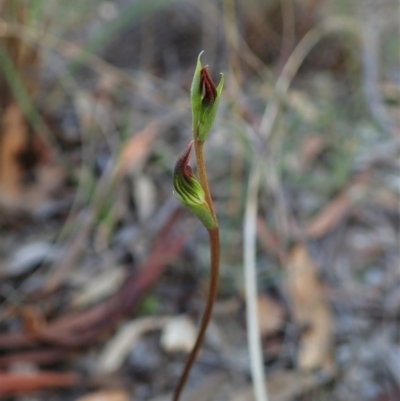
[261, 164]
[250, 279]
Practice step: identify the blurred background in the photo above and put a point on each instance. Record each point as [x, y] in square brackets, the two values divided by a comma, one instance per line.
[103, 275]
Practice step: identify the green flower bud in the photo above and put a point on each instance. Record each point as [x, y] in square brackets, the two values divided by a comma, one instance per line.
[204, 99]
[189, 191]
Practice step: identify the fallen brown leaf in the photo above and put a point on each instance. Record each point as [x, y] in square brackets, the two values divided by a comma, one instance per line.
[310, 310]
[271, 314]
[19, 148]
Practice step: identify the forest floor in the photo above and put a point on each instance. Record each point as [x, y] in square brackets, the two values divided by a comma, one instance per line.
[103, 274]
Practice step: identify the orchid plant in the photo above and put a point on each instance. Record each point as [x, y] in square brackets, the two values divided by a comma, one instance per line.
[195, 194]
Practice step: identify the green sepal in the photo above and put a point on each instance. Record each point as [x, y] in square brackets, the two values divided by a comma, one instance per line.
[202, 212]
[195, 94]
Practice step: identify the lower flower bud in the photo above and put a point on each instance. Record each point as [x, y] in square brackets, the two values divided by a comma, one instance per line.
[189, 191]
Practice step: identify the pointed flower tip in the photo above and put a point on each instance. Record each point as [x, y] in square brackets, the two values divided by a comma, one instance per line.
[182, 164]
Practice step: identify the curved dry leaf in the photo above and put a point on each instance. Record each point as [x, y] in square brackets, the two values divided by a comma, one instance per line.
[116, 349]
[310, 309]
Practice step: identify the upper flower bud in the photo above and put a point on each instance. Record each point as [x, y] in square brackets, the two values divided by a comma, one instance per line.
[204, 99]
[189, 191]
[207, 87]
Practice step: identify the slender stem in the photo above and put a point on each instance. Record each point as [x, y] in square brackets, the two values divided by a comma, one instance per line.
[201, 171]
[213, 286]
[214, 272]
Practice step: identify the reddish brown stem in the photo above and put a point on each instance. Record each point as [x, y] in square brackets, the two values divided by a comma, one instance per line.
[201, 171]
[214, 271]
[213, 286]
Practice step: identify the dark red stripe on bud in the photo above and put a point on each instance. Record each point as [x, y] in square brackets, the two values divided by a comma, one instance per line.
[182, 164]
[207, 87]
